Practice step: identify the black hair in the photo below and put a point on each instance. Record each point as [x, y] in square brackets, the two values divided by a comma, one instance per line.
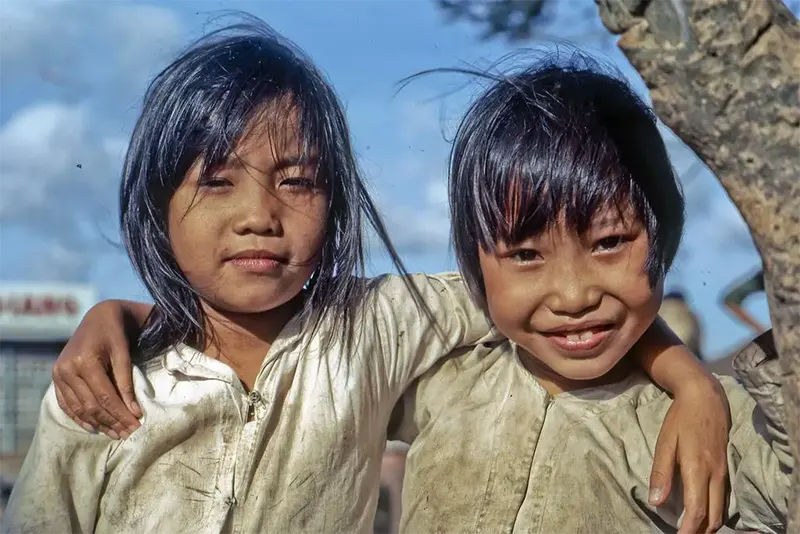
[200, 106]
[558, 139]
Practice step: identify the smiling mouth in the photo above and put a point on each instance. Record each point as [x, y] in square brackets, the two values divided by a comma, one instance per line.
[587, 340]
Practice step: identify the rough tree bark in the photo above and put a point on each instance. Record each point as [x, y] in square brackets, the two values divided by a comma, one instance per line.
[724, 75]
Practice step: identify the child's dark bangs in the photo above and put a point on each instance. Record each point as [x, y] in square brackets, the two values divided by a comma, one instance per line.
[566, 182]
[291, 124]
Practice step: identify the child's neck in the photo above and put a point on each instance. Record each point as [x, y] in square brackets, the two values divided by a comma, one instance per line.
[555, 384]
[242, 340]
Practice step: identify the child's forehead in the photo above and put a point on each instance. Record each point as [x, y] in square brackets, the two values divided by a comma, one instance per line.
[275, 132]
[263, 148]
[614, 215]
[275, 123]
[265, 137]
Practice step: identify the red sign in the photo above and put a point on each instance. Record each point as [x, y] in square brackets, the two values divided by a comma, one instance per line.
[42, 311]
[38, 305]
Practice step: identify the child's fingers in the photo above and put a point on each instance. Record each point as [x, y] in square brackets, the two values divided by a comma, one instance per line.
[67, 407]
[717, 490]
[122, 371]
[74, 406]
[77, 379]
[664, 462]
[96, 408]
[695, 498]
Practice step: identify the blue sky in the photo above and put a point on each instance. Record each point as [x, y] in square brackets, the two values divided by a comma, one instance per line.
[73, 73]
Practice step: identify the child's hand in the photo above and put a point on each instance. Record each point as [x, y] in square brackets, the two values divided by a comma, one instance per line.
[83, 387]
[695, 436]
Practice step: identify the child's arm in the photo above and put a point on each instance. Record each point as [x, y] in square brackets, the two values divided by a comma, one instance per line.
[59, 486]
[759, 458]
[410, 342]
[695, 432]
[81, 373]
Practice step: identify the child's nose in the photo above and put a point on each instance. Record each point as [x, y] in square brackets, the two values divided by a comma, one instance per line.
[260, 214]
[573, 293]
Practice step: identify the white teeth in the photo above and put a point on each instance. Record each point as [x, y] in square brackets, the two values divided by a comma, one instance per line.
[577, 337]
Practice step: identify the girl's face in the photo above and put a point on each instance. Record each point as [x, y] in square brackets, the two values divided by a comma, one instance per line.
[248, 236]
[575, 303]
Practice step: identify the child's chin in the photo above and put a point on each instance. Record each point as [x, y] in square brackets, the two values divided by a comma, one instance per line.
[249, 306]
[586, 370]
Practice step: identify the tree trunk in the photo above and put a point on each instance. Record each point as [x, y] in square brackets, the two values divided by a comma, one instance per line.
[724, 75]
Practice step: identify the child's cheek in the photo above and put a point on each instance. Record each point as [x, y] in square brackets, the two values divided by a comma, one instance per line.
[509, 308]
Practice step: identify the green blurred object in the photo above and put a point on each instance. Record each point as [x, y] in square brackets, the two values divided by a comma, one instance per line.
[739, 292]
[734, 297]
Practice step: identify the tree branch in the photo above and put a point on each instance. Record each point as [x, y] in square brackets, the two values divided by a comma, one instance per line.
[725, 76]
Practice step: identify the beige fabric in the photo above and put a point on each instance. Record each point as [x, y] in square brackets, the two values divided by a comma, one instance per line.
[308, 461]
[495, 453]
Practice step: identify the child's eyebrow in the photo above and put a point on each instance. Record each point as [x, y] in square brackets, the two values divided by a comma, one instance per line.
[301, 160]
[609, 221]
[234, 162]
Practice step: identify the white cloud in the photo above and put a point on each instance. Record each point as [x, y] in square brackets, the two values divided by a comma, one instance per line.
[58, 180]
[33, 38]
[413, 193]
[436, 193]
[72, 72]
[42, 138]
[50, 42]
[418, 231]
[58, 262]
[148, 37]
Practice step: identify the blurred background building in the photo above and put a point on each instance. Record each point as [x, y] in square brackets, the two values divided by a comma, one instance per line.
[36, 320]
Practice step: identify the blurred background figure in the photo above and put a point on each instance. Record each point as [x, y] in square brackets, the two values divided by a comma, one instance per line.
[387, 518]
[5, 493]
[682, 320]
[734, 296]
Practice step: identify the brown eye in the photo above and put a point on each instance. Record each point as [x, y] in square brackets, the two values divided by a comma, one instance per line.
[300, 184]
[525, 256]
[610, 243]
[214, 182]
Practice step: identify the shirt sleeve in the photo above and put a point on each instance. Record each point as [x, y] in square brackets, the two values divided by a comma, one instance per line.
[404, 426]
[423, 399]
[759, 461]
[59, 485]
[759, 370]
[410, 342]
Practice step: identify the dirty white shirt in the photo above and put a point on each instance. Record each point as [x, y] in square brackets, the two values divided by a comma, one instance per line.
[495, 453]
[300, 453]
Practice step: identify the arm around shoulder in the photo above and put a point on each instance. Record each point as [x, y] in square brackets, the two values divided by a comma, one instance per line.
[413, 340]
